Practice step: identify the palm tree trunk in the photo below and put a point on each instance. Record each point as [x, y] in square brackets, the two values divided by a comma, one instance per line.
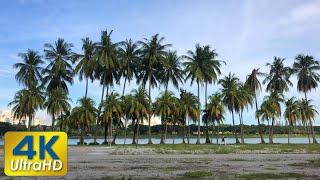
[241, 126]
[198, 139]
[110, 126]
[188, 137]
[207, 128]
[184, 132]
[289, 133]
[29, 123]
[82, 136]
[271, 132]
[166, 131]
[138, 132]
[125, 130]
[124, 85]
[87, 84]
[162, 132]
[234, 131]
[105, 132]
[310, 122]
[149, 116]
[259, 125]
[218, 124]
[134, 132]
[52, 123]
[98, 115]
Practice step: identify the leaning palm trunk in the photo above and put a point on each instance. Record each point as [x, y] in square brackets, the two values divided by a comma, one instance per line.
[198, 139]
[82, 136]
[312, 132]
[105, 132]
[125, 130]
[218, 124]
[166, 132]
[259, 125]
[235, 131]
[188, 137]
[87, 84]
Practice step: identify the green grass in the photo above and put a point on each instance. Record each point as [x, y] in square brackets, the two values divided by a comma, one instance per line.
[274, 176]
[197, 174]
[226, 149]
[313, 163]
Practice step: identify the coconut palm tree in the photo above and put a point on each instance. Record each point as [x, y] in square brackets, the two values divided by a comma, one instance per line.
[188, 109]
[230, 96]
[27, 102]
[245, 100]
[84, 116]
[253, 84]
[164, 107]
[291, 114]
[306, 67]
[308, 113]
[278, 78]
[139, 110]
[57, 103]
[172, 70]
[59, 71]
[153, 52]
[111, 110]
[29, 71]
[271, 110]
[107, 67]
[86, 64]
[129, 55]
[215, 110]
[196, 69]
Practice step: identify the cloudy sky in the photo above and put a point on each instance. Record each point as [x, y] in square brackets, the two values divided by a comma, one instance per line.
[245, 33]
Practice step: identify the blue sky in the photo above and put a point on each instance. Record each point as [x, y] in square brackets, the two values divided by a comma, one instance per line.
[245, 33]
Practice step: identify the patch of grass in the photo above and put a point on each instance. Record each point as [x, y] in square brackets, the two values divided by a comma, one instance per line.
[314, 163]
[2, 172]
[197, 174]
[238, 159]
[273, 176]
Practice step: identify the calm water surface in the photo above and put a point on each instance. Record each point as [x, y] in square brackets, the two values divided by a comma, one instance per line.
[295, 140]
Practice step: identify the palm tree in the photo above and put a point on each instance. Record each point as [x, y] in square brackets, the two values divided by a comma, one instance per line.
[172, 70]
[196, 69]
[291, 114]
[306, 68]
[139, 110]
[153, 51]
[58, 72]
[164, 107]
[84, 115]
[86, 64]
[129, 54]
[278, 78]
[107, 66]
[245, 100]
[57, 104]
[271, 110]
[26, 103]
[111, 110]
[308, 113]
[29, 70]
[230, 96]
[188, 109]
[253, 84]
[215, 110]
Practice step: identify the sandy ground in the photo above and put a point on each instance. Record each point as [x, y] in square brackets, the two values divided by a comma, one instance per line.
[143, 163]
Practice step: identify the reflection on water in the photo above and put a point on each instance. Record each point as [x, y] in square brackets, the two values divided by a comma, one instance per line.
[295, 140]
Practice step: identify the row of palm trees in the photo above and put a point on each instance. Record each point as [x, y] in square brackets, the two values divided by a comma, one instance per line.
[151, 62]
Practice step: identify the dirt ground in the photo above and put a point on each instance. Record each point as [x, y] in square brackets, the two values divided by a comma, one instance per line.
[142, 163]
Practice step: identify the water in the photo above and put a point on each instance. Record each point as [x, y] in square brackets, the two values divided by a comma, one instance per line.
[283, 140]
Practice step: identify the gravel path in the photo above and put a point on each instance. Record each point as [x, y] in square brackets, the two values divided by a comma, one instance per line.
[102, 162]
